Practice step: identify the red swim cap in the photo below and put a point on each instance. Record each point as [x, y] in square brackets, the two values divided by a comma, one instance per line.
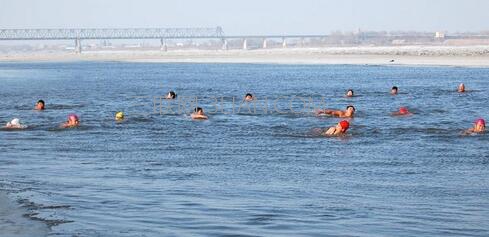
[344, 124]
[480, 121]
[403, 110]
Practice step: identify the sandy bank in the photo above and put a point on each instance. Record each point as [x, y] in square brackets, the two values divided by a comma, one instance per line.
[469, 56]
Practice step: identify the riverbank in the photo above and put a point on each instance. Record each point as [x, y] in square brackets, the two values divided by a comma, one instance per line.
[466, 56]
[14, 224]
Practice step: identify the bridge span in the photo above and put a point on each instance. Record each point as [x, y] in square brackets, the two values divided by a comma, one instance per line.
[163, 34]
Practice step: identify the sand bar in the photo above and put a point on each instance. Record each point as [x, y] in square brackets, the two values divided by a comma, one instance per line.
[466, 56]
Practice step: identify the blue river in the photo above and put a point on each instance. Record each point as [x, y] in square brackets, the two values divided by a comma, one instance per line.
[245, 171]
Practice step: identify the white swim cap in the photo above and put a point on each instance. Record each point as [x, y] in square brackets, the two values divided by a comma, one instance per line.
[15, 122]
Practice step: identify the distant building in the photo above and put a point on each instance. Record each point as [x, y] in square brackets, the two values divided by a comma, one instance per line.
[399, 42]
[439, 35]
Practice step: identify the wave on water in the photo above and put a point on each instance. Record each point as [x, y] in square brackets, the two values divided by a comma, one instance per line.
[64, 106]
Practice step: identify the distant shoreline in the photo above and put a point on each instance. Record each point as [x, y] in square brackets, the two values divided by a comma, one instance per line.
[464, 56]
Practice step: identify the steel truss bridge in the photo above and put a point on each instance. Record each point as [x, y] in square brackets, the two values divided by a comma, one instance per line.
[107, 33]
[111, 33]
[162, 34]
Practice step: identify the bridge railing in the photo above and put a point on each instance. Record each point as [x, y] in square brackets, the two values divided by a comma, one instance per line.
[109, 33]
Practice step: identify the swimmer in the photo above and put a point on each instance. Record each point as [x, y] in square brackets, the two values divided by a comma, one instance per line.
[15, 124]
[348, 113]
[119, 116]
[339, 129]
[249, 97]
[171, 95]
[479, 127]
[394, 90]
[403, 111]
[198, 114]
[349, 93]
[39, 105]
[461, 88]
[73, 121]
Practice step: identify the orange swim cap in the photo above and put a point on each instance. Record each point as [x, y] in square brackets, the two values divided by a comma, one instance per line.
[345, 124]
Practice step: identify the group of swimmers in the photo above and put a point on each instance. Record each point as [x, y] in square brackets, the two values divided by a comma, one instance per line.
[72, 121]
[341, 128]
[198, 114]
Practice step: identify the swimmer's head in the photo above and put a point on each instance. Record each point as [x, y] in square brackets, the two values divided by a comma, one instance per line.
[72, 118]
[461, 87]
[198, 110]
[349, 93]
[480, 122]
[119, 116]
[344, 125]
[351, 108]
[40, 105]
[480, 125]
[403, 110]
[394, 90]
[248, 97]
[172, 95]
[15, 123]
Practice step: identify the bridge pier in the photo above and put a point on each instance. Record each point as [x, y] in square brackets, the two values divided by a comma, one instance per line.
[224, 44]
[284, 43]
[164, 46]
[265, 43]
[78, 47]
[245, 44]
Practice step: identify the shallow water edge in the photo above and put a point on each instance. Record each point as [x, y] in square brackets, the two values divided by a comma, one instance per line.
[14, 221]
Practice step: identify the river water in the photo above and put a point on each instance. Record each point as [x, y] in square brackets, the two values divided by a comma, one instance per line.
[264, 173]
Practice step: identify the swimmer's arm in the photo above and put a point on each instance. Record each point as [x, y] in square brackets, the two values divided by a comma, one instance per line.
[327, 111]
[338, 113]
[330, 131]
[319, 112]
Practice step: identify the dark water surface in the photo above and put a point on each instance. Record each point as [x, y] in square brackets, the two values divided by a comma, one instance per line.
[246, 174]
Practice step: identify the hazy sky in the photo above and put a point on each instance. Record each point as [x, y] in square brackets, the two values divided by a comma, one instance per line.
[251, 16]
